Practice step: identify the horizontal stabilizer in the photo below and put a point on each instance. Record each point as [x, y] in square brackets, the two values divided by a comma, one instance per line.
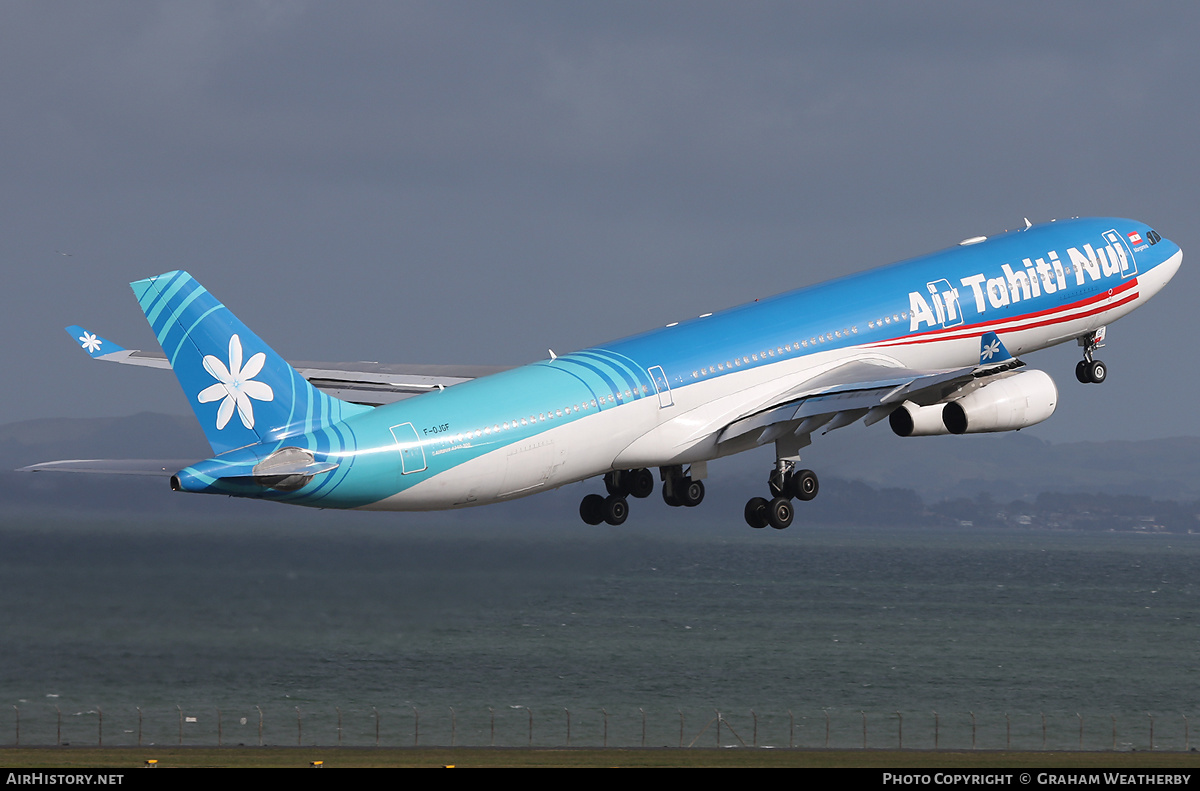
[286, 469]
[152, 467]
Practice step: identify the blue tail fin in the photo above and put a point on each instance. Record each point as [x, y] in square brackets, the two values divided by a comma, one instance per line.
[242, 392]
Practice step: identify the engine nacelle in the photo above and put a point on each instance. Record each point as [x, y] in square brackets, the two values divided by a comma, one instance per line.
[1006, 403]
[911, 420]
[1009, 403]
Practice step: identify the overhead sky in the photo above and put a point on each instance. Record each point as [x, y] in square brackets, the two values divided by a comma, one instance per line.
[476, 182]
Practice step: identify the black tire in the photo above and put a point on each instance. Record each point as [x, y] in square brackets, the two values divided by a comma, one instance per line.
[1097, 372]
[641, 483]
[804, 485]
[616, 510]
[691, 493]
[591, 510]
[756, 512]
[780, 513]
[1081, 372]
[615, 483]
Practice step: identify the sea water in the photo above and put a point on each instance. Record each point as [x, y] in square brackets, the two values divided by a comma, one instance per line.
[193, 633]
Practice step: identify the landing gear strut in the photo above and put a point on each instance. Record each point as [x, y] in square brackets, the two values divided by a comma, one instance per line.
[785, 483]
[1089, 370]
[679, 489]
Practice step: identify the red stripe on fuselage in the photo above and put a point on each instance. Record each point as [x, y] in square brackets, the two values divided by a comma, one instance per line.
[973, 330]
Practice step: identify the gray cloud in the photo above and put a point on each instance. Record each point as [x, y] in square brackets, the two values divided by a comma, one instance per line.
[454, 182]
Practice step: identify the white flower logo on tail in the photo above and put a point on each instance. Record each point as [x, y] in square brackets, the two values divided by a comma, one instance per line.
[90, 342]
[235, 385]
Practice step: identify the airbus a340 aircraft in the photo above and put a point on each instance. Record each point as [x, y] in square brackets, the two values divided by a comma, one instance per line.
[928, 343]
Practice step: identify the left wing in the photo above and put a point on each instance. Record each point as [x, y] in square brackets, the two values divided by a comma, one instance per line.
[369, 383]
[866, 388]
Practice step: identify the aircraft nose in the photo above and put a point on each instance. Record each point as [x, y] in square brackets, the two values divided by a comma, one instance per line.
[1171, 264]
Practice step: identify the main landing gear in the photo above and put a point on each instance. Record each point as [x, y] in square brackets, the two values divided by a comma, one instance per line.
[678, 490]
[614, 508]
[785, 483]
[681, 490]
[1088, 370]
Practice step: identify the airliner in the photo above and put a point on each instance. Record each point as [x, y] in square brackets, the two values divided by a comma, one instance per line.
[931, 344]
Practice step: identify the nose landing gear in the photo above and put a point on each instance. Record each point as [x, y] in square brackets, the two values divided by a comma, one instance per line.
[1088, 370]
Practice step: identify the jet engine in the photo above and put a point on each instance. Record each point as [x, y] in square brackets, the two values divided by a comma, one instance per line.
[1005, 403]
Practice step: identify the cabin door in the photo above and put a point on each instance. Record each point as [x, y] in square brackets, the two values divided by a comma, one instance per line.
[412, 455]
[662, 386]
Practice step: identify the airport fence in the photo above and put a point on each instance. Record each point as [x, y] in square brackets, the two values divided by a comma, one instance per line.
[549, 727]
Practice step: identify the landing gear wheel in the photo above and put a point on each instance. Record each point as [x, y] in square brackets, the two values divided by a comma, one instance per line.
[691, 493]
[615, 510]
[756, 512]
[804, 485]
[640, 482]
[614, 483]
[780, 513]
[1097, 372]
[1081, 372]
[591, 510]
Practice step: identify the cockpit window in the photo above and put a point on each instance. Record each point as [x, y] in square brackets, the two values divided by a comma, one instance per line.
[1153, 237]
